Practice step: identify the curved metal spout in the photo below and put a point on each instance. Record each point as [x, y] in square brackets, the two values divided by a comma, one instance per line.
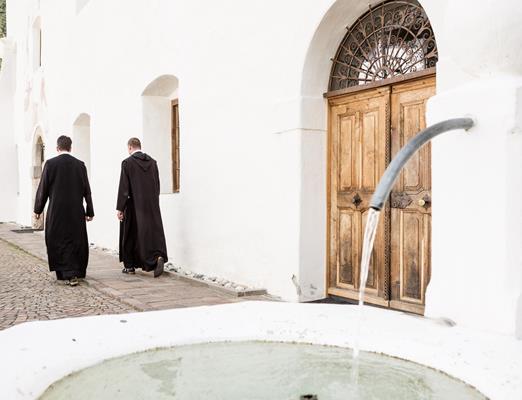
[392, 172]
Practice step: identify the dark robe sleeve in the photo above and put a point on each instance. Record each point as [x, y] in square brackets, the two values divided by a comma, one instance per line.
[42, 193]
[87, 193]
[156, 178]
[123, 190]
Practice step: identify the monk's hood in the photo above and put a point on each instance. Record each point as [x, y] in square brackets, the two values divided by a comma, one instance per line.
[143, 160]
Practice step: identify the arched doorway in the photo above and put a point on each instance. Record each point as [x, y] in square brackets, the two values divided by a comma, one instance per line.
[381, 78]
[38, 161]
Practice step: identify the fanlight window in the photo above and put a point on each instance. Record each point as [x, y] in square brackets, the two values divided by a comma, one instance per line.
[2, 19]
[392, 38]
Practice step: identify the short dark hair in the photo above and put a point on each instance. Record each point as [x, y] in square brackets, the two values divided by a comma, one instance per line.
[64, 143]
[134, 142]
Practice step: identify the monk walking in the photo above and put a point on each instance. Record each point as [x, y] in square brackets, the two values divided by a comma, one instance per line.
[65, 183]
[142, 240]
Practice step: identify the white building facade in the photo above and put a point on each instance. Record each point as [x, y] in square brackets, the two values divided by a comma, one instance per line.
[228, 96]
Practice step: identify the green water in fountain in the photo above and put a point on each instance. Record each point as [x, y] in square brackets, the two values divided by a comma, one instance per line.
[257, 370]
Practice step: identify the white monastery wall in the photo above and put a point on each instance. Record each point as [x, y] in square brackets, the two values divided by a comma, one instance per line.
[238, 211]
[477, 177]
[250, 79]
[8, 161]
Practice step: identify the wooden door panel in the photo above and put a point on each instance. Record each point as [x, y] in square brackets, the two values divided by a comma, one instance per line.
[412, 121]
[351, 234]
[357, 149]
[410, 220]
[408, 117]
[369, 152]
[346, 160]
[377, 267]
[347, 232]
[410, 255]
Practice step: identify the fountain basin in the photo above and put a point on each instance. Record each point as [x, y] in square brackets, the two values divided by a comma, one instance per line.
[37, 354]
[257, 370]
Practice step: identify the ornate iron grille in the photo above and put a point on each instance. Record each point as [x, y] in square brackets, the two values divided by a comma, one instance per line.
[2, 18]
[392, 38]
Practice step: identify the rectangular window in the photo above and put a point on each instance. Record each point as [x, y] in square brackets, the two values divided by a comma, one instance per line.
[40, 49]
[37, 46]
[175, 146]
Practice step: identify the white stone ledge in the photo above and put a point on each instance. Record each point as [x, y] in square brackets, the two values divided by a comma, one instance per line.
[35, 354]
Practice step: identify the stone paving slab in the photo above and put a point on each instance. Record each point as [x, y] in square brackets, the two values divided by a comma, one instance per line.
[25, 274]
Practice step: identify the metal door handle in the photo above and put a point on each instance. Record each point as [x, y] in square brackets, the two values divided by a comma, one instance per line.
[425, 201]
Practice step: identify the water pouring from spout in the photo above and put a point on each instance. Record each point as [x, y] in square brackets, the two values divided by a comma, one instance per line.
[379, 199]
[372, 222]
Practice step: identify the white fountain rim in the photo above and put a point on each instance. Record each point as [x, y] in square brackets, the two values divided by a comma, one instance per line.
[36, 354]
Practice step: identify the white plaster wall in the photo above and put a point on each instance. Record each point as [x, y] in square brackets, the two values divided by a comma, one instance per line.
[477, 222]
[476, 261]
[28, 111]
[80, 4]
[8, 162]
[312, 250]
[238, 212]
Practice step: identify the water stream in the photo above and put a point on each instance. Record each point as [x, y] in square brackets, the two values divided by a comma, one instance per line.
[372, 222]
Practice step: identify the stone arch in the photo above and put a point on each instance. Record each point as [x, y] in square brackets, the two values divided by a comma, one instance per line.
[81, 137]
[38, 159]
[313, 118]
[328, 35]
[392, 38]
[159, 100]
[162, 86]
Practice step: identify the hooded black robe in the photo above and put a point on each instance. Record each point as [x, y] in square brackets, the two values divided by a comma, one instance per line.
[65, 183]
[142, 239]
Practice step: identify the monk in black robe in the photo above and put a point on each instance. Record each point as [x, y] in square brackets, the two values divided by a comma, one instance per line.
[142, 240]
[65, 183]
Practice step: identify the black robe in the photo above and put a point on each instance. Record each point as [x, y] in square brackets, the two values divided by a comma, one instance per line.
[142, 239]
[65, 183]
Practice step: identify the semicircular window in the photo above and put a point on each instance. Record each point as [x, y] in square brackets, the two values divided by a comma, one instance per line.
[392, 38]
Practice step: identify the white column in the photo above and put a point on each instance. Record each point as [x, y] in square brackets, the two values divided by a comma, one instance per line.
[477, 176]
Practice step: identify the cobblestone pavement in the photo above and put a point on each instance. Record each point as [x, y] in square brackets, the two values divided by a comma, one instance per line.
[28, 291]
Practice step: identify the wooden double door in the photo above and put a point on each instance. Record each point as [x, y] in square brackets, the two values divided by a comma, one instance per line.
[366, 129]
